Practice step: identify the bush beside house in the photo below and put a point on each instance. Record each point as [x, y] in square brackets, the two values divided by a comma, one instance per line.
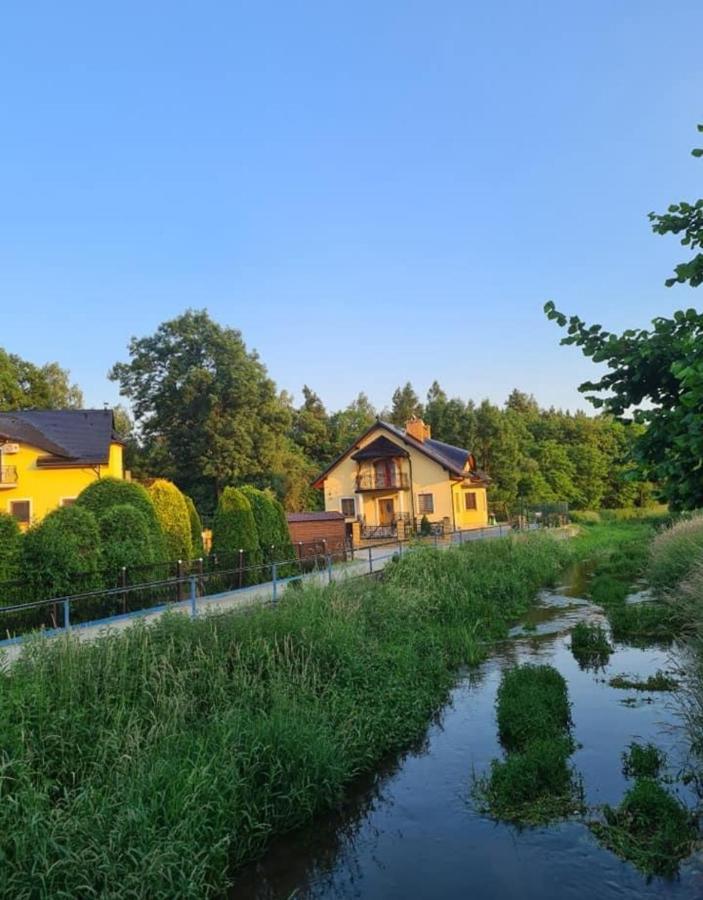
[125, 541]
[234, 529]
[172, 512]
[196, 528]
[10, 538]
[99, 496]
[61, 555]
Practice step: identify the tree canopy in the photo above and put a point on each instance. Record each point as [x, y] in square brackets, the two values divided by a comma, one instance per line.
[24, 385]
[655, 376]
[204, 404]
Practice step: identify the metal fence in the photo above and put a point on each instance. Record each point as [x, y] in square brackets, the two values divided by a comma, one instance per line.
[209, 581]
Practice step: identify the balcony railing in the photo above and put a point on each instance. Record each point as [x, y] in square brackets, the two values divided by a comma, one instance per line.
[8, 475]
[380, 481]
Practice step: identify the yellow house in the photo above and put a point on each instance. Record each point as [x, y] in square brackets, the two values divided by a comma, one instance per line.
[390, 477]
[47, 457]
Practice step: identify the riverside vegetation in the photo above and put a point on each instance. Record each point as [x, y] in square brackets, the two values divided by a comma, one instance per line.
[153, 762]
[534, 784]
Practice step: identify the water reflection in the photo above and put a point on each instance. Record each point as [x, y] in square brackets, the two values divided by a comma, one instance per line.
[411, 831]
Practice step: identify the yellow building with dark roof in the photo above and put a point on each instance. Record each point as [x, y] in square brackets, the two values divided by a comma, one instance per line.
[391, 477]
[47, 457]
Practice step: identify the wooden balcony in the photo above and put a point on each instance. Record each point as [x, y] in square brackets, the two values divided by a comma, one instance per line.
[378, 481]
[8, 476]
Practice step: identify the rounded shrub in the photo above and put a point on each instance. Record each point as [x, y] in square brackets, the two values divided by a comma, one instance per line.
[196, 528]
[10, 542]
[125, 540]
[104, 493]
[61, 555]
[284, 544]
[174, 518]
[234, 529]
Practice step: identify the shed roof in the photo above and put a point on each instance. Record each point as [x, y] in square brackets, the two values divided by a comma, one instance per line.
[314, 516]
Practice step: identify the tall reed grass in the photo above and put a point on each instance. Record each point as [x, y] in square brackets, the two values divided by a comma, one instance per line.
[153, 762]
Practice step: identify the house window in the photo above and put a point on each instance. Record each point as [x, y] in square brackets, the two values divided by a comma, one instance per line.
[470, 500]
[348, 507]
[68, 501]
[425, 503]
[20, 510]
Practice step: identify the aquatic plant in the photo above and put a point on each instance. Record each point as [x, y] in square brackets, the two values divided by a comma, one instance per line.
[532, 704]
[534, 786]
[651, 828]
[153, 762]
[658, 682]
[642, 761]
[534, 783]
[643, 622]
[590, 644]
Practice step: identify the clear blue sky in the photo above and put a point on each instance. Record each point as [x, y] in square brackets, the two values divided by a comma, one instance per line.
[371, 191]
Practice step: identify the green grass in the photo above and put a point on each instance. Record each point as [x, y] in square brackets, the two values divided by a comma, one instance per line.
[658, 682]
[590, 644]
[532, 704]
[675, 551]
[651, 828]
[643, 761]
[153, 762]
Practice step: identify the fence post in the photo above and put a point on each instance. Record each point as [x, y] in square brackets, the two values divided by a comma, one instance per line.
[123, 585]
[67, 614]
[241, 566]
[329, 568]
[370, 562]
[400, 549]
[435, 540]
[274, 577]
[273, 557]
[193, 596]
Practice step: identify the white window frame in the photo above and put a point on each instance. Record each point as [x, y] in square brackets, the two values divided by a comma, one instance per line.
[341, 507]
[14, 500]
[425, 512]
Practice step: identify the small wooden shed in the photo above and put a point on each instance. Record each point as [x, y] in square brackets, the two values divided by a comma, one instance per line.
[317, 532]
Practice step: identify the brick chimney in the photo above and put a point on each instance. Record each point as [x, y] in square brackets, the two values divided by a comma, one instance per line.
[416, 428]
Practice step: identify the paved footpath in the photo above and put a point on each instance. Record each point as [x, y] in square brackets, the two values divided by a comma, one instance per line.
[366, 561]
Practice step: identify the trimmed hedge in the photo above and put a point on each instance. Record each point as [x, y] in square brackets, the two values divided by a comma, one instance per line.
[61, 555]
[174, 518]
[104, 493]
[196, 528]
[10, 538]
[265, 517]
[234, 529]
[125, 539]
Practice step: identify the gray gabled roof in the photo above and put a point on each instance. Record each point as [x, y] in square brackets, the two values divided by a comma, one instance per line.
[452, 458]
[73, 435]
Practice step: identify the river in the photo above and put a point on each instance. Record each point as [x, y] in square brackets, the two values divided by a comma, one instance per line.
[411, 829]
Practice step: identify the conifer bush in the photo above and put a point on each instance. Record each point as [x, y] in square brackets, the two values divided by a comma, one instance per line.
[10, 542]
[125, 539]
[61, 555]
[99, 496]
[196, 528]
[234, 529]
[173, 516]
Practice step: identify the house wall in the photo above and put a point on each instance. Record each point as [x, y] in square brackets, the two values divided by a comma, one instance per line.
[428, 476]
[46, 488]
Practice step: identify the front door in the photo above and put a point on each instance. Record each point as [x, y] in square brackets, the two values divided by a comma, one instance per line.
[386, 512]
